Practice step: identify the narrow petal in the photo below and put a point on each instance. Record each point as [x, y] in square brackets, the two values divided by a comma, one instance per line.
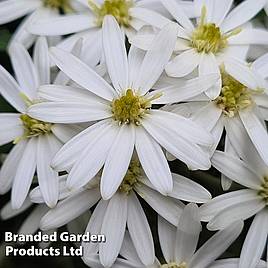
[236, 170]
[153, 161]
[248, 8]
[215, 246]
[115, 53]
[47, 147]
[140, 231]
[113, 227]
[117, 162]
[167, 236]
[187, 234]
[42, 61]
[25, 71]
[69, 112]
[82, 74]
[156, 58]
[10, 90]
[69, 209]
[255, 241]
[188, 190]
[183, 64]
[24, 174]
[65, 132]
[261, 65]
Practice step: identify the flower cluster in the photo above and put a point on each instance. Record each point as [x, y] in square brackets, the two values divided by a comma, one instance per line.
[111, 94]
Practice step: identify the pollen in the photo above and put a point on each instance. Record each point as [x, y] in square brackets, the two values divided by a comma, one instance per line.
[207, 37]
[132, 177]
[174, 265]
[131, 108]
[264, 190]
[63, 5]
[117, 8]
[33, 128]
[234, 96]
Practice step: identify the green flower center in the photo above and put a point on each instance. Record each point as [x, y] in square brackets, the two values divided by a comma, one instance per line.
[234, 96]
[207, 37]
[174, 265]
[117, 8]
[33, 128]
[264, 191]
[132, 177]
[63, 5]
[131, 108]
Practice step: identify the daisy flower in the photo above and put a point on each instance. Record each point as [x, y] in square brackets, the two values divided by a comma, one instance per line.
[123, 209]
[35, 10]
[179, 244]
[216, 36]
[234, 263]
[225, 209]
[240, 107]
[36, 142]
[126, 118]
[131, 15]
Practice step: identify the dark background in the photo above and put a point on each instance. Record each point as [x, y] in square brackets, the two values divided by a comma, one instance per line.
[209, 180]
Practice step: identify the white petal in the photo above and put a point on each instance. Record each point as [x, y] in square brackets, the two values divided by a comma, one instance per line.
[113, 227]
[167, 236]
[183, 64]
[187, 234]
[93, 156]
[233, 263]
[82, 74]
[65, 132]
[209, 65]
[67, 156]
[13, 9]
[140, 231]
[236, 170]
[156, 59]
[175, 10]
[62, 25]
[215, 246]
[48, 179]
[235, 212]
[42, 61]
[69, 209]
[186, 90]
[117, 162]
[24, 174]
[248, 8]
[255, 241]
[10, 90]
[256, 132]
[188, 190]
[153, 161]
[69, 112]
[115, 53]
[261, 65]
[26, 72]
[224, 201]
[163, 205]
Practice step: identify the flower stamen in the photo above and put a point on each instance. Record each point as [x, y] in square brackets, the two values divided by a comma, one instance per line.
[264, 191]
[174, 265]
[63, 5]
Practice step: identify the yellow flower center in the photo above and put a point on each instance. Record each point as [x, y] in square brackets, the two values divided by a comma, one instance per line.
[33, 128]
[264, 191]
[131, 178]
[207, 37]
[117, 8]
[131, 108]
[63, 5]
[234, 96]
[174, 265]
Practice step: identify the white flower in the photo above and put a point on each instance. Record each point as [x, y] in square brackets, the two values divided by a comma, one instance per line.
[225, 209]
[179, 244]
[35, 10]
[241, 107]
[234, 263]
[110, 142]
[111, 217]
[36, 142]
